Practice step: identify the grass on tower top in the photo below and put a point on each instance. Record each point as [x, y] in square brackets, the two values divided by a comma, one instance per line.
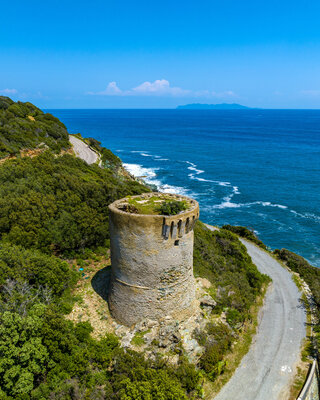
[156, 205]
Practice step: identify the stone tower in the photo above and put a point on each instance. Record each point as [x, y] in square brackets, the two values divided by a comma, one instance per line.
[152, 261]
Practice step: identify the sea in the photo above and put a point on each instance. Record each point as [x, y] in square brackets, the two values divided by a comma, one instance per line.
[256, 168]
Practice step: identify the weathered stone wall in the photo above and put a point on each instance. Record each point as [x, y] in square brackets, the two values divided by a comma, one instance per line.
[310, 390]
[152, 264]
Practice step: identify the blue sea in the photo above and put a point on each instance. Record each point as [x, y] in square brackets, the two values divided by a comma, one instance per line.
[257, 168]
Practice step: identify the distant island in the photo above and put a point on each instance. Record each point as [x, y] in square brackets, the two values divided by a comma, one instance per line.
[222, 106]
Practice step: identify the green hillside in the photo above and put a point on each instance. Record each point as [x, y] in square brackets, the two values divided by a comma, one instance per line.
[54, 218]
[23, 126]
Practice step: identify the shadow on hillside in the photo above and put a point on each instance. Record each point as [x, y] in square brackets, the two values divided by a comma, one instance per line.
[100, 282]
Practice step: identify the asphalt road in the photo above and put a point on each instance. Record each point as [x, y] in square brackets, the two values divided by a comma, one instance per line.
[267, 370]
[83, 151]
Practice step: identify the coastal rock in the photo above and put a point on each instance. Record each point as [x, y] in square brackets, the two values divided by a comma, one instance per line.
[207, 301]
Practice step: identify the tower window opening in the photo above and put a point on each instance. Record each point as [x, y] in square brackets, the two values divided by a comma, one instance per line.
[176, 242]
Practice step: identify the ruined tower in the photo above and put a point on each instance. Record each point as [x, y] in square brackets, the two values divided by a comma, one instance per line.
[152, 260]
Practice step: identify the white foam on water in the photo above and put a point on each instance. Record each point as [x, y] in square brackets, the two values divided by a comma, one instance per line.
[201, 179]
[149, 176]
[306, 215]
[173, 189]
[145, 153]
[222, 183]
[196, 171]
[236, 190]
[268, 204]
[228, 204]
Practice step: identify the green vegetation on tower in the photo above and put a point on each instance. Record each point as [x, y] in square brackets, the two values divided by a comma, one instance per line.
[156, 205]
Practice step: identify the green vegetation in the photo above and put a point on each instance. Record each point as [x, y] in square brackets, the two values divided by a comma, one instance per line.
[23, 126]
[58, 204]
[156, 205]
[53, 209]
[220, 257]
[172, 207]
[138, 339]
[246, 234]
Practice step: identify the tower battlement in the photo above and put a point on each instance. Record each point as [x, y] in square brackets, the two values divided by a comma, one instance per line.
[152, 258]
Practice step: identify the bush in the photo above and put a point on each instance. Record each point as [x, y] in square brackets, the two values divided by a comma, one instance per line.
[220, 257]
[35, 268]
[172, 207]
[58, 205]
[23, 126]
[245, 233]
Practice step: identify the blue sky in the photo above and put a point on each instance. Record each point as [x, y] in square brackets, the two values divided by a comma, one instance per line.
[131, 54]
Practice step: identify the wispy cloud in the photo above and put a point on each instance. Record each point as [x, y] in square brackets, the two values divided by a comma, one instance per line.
[218, 95]
[111, 90]
[160, 87]
[8, 91]
[311, 93]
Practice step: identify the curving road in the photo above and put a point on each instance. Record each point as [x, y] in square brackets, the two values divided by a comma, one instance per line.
[267, 370]
[83, 151]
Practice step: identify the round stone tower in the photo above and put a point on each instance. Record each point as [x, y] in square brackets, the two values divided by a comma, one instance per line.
[152, 259]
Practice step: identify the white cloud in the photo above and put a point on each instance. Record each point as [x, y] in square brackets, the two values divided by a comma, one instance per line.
[160, 87]
[8, 91]
[111, 90]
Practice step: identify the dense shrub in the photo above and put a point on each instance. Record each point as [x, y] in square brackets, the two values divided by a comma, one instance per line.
[172, 207]
[223, 259]
[24, 126]
[246, 234]
[35, 268]
[58, 204]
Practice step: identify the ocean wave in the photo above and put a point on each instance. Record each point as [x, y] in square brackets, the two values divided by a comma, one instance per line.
[196, 171]
[145, 153]
[268, 204]
[228, 204]
[306, 215]
[235, 190]
[149, 176]
[173, 189]
[222, 183]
